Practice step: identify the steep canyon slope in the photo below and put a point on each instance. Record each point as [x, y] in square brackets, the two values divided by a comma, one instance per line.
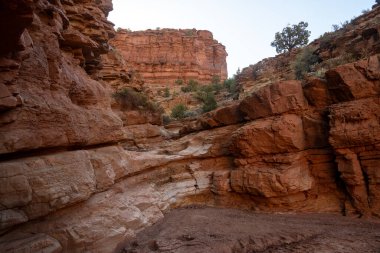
[80, 172]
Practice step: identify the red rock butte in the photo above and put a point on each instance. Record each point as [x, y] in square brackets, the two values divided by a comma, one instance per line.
[165, 55]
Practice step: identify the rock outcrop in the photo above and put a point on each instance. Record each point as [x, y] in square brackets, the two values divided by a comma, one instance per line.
[354, 40]
[165, 55]
[311, 146]
[79, 173]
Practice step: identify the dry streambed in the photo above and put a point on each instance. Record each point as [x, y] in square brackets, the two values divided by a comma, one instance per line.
[228, 230]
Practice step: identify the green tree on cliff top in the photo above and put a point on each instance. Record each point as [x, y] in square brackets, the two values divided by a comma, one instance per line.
[291, 37]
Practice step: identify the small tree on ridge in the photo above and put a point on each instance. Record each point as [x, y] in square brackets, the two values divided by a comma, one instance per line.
[291, 37]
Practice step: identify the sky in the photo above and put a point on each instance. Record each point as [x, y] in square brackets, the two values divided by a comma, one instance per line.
[245, 27]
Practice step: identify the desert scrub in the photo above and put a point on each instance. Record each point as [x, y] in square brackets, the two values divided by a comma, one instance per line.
[189, 33]
[166, 92]
[320, 73]
[304, 63]
[230, 85]
[178, 82]
[327, 38]
[215, 79]
[179, 111]
[130, 99]
[208, 100]
[191, 86]
[340, 60]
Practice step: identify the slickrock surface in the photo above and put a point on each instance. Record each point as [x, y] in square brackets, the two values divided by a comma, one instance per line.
[80, 173]
[228, 230]
[165, 55]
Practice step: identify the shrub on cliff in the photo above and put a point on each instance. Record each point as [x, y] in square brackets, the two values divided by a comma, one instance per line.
[232, 88]
[230, 85]
[179, 111]
[304, 63]
[191, 86]
[216, 84]
[291, 37]
[130, 99]
[215, 79]
[166, 92]
[208, 100]
[209, 103]
[178, 82]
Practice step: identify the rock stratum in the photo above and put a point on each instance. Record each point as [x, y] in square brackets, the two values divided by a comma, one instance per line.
[80, 173]
[163, 56]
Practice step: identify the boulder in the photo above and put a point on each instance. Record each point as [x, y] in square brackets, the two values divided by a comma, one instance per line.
[272, 135]
[355, 123]
[284, 175]
[274, 99]
[347, 82]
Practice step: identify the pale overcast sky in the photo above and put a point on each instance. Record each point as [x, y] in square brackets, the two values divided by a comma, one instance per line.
[245, 27]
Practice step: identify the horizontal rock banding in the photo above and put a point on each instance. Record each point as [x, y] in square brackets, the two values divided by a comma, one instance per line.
[166, 55]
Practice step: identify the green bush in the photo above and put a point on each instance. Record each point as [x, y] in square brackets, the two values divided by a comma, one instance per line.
[209, 102]
[205, 88]
[179, 111]
[340, 60]
[178, 82]
[304, 63]
[166, 92]
[192, 83]
[326, 40]
[191, 86]
[230, 85]
[232, 88]
[217, 87]
[215, 79]
[131, 99]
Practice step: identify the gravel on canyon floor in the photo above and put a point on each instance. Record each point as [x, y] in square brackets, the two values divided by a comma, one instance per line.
[235, 231]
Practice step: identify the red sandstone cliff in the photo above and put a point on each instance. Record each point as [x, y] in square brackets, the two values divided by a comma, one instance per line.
[78, 173]
[165, 55]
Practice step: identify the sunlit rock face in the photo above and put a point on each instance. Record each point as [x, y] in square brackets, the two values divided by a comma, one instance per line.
[162, 56]
[79, 174]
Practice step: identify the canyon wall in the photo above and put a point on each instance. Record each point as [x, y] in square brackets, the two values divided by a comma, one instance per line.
[311, 146]
[79, 173]
[162, 56]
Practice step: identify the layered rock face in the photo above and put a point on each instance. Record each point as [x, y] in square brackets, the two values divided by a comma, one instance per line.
[56, 103]
[79, 174]
[165, 55]
[311, 146]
